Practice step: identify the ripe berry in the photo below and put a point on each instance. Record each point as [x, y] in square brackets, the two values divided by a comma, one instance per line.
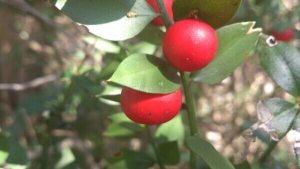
[158, 20]
[149, 108]
[189, 44]
[284, 36]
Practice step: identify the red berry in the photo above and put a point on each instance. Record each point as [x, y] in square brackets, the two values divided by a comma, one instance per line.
[284, 36]
[189, 44]
[149, 108]
[158, 20]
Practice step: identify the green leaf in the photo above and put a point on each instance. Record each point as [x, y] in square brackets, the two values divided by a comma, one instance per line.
[4, 148]
[66, 159]
[142, 47]
[87, 85]
[147, 73]
[108, 70]
[208, 153]
[124, 121]
[214, 12]
[243, 165]
[108, 19]
[172, 130]
[284, 115]
[101, 44]
[131, 159]
[234, 44]
[17, 153]
[169, 152]
[152, 34]
[122, 126]
[282, 63]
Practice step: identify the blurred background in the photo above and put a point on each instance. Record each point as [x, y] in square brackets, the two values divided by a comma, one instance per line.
[50, 64]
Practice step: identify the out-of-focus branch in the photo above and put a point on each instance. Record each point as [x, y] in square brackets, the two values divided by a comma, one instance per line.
[25, 7]
[31, 84]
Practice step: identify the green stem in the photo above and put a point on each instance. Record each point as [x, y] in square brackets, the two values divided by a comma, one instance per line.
[164, 14]
[191, 110]
[156, 151]
[267, 153]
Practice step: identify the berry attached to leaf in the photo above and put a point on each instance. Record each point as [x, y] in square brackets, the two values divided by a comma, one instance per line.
[190, 44]
[149, 108]
[158, 20]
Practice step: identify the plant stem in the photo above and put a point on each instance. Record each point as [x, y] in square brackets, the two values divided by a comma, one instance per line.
[164, 14]
[158, 157]
[191, 110]
[267, 153]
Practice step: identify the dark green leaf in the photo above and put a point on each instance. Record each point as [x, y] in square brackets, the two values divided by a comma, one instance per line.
[284, 115]
[214, 12]
[87, 85]
[147, 73]
[151, 34]
[4, 148]
[109, 19]
[17, 153]
[131, 160]
[235, 43]
[243, 165]
[115, 98]
[108, 70]
[208, 153]
[169, 152]
[171, 131]
[282, 63]
[116, 130]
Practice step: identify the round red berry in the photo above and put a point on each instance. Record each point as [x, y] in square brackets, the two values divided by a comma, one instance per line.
[149, 108]
[284, 36]
[190, 44]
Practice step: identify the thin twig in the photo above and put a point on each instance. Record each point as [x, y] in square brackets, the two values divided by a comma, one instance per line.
[31, 84]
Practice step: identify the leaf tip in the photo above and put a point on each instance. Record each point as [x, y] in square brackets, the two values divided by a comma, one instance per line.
[251, 28]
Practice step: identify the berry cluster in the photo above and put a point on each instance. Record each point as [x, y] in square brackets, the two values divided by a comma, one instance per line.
[188, 45]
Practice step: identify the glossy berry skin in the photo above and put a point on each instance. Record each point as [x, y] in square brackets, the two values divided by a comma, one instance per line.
[148, 108]
[158, 20]
[284, 36]
[189, 44]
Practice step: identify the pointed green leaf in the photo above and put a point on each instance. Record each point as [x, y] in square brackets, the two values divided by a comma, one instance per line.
[147, 73]
[112, 20]
[172, 130]
[282, 63]
[131, 160]
[215, 12]
[284, 115]
[108, 70]
[4, 148]
[169, 152]
[208, 153]
[234, 44]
